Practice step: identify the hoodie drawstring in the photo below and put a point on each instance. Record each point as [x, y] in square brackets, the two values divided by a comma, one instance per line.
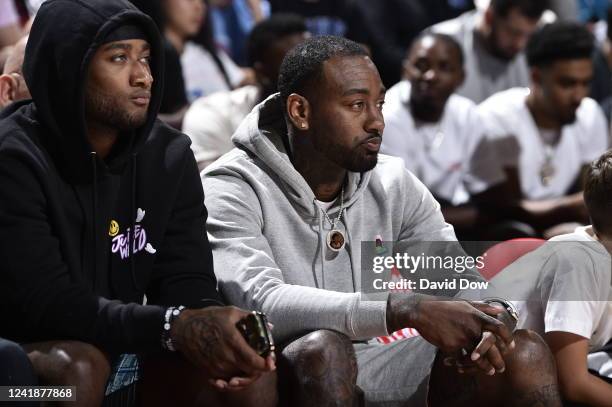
[133, 215]
[94, 166]
[351, 249]
[321, 249]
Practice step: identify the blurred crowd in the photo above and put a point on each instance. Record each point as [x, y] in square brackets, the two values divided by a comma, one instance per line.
[442, 113]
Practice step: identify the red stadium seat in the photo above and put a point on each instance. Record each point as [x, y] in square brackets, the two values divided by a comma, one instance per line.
[505, 253]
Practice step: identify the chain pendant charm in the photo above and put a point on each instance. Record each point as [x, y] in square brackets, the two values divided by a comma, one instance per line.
[335, 240]
[547, 172]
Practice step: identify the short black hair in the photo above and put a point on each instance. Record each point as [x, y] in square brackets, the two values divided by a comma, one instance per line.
[303, 65]
[598, 193]
[529, 8]
[447, 39]
[266, 33]
[559, 41]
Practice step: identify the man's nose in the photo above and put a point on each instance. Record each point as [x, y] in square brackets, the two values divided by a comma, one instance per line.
[376, 122]
[430, 75]
[520, 43]
[141, 75]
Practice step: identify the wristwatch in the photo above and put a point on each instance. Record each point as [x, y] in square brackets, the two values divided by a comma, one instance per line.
[508, 306]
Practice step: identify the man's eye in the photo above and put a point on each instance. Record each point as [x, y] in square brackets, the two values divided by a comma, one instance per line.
[421, 66]
[380, 104]
[357, 105]
[146, 59]
[119, 58]
[446, 67]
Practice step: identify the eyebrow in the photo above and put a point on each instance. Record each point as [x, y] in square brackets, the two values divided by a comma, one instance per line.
[124, 46]
[364, 91]
[117, 45]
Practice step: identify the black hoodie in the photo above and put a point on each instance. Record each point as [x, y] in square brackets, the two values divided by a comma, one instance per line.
[69, 266]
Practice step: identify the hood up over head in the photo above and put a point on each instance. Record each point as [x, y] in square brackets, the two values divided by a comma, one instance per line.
[64, 38]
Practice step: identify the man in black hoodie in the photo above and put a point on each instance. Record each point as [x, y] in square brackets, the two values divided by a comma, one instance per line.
[101, 210]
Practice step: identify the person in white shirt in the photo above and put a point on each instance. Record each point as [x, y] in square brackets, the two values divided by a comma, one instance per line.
[206, 67]
[210, 121]
[493, 42]
[548, 133]
[563, 291]
[439, 134]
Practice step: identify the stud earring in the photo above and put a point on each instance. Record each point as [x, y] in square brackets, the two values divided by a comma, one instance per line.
[303, 125]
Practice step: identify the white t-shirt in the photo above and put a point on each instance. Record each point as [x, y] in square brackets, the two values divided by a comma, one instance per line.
[451, 157]
[564, 285]
[211, 121]
[485, 73]
[202, 75]
[513, 132]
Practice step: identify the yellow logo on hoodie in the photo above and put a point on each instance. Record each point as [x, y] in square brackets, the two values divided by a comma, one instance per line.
[114, 228]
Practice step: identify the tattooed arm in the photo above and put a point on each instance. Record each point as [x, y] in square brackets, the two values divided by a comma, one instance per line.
[209, 338]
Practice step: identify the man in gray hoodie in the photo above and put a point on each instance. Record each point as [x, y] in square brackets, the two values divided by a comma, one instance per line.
[289, 208]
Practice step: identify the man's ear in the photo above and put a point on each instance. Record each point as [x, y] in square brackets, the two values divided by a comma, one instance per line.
[536, 76]
[298, 111]
[8, 87]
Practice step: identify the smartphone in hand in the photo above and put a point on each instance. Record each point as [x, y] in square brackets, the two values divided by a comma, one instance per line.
[255, 330]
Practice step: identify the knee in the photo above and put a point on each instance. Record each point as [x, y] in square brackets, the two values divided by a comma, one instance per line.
[321, 367]
[531, 360]
[530, 348]
[72, 363]
[320, 351]
[78, 363]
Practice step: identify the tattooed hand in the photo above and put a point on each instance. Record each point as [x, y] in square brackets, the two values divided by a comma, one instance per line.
[209, 338]
[454, 326]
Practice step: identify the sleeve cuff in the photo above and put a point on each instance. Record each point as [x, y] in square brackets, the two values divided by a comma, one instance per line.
[150, 322]
[580, 328]
[369, 319]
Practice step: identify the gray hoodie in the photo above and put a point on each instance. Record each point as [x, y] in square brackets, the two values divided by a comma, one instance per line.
[268, 234]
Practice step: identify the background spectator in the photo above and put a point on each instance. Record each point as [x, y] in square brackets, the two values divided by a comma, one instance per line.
[440, 135]
[547, 133]
[387, 27]
[493, 41]
[211, 120]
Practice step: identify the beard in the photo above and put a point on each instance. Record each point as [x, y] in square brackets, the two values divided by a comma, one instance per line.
[354, 158]
[497, 51]
[357, 159]
[360, 162]
[567, 118]
[106, 109]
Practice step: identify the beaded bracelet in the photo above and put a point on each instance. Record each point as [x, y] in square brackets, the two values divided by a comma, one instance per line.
[171, 314]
